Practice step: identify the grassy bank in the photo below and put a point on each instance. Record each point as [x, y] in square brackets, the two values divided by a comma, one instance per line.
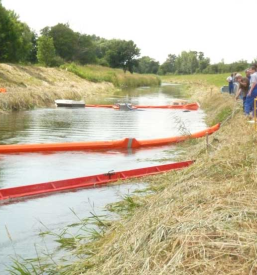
[217, 80]
[115, 76]
[200, 220]
[30, 86]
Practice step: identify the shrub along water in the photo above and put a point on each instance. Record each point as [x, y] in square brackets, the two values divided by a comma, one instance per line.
[116, 76]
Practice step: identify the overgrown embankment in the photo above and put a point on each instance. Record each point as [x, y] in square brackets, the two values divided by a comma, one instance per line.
[115, 76]
[200, 220]
[32, 86]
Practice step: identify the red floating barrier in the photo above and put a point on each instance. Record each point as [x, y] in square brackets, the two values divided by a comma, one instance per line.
[8, 195]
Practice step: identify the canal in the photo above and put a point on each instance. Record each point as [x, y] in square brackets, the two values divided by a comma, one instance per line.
[21, 223]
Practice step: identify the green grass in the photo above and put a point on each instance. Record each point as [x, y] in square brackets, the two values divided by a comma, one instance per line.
[115, 76]
[217, 80]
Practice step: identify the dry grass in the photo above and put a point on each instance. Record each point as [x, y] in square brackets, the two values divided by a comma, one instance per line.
[30, 86]
[201, 220]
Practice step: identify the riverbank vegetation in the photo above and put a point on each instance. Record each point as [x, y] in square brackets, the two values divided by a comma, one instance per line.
[115, 76]
[199, 220]
[59, 44]
[212, 80]
[32, 86]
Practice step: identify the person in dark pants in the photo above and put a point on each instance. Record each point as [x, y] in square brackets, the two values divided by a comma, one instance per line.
[230, 84]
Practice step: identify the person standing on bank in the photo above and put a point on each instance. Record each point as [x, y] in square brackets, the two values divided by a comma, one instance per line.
[236, 84]
[230, 84]
[244, 85]
[252, 94]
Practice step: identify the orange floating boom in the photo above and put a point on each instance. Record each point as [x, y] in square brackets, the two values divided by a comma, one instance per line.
[8, 195]
[102, 145]
[98, 106]
[190, 106]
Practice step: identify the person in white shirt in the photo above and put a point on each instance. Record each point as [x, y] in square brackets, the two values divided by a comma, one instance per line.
[230, 84]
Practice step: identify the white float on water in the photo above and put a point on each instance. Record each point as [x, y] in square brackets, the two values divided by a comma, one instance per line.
[69, 103]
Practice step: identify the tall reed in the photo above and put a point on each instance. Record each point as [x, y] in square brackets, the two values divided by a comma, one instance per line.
[116, 76]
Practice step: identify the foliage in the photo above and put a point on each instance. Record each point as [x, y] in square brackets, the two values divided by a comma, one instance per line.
[15, 37]
[122, 54]
[65, 41]
[19, 44]
[222, 115]
[46, 50]
[185, 63]
[221, 67]
[115, 76]
[85, 53]
[32, 56]
[147, 65]
[217, 80]
[169, 65]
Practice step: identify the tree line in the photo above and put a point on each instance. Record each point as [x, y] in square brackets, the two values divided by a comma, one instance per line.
[59, 44]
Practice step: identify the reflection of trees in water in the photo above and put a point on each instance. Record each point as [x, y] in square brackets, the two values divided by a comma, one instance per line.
[55, 121]
[129, 94]
[174, 90]
[13, 125]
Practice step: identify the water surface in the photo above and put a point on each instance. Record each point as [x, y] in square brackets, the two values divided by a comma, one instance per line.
[51, 125]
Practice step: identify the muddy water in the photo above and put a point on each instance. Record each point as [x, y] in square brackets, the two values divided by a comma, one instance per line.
[70, 125]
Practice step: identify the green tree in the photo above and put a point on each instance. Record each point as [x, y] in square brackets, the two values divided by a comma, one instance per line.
[15, 37]
[46, 50]
[86, 50]
[26, 43]
[101, 48]
[147, 65]
[66, 41]
[169, 66]
[203, 61]
[187, 62]
[122, 54]
[32, 56]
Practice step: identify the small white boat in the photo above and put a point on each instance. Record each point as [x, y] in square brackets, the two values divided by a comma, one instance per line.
[69, 103]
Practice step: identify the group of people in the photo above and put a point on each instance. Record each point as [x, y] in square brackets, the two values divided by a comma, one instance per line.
[245, 88]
